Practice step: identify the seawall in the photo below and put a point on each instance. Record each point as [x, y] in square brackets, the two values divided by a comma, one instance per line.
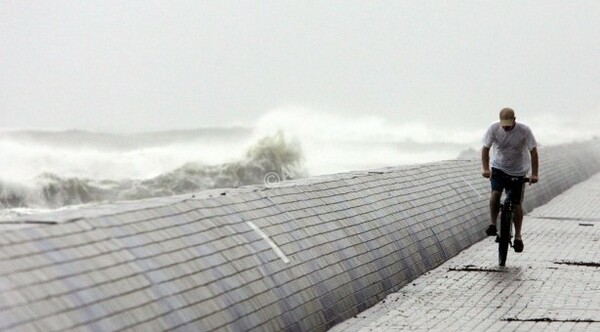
[301, 256]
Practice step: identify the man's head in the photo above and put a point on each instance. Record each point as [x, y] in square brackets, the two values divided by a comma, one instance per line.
[507, 118]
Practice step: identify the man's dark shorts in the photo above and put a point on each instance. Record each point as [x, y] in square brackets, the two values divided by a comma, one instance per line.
[514, 185]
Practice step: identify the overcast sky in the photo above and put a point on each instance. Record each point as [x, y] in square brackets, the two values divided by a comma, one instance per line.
[149, 65]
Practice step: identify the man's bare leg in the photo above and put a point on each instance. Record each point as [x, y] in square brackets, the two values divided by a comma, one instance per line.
[495, 206]
[518, 221]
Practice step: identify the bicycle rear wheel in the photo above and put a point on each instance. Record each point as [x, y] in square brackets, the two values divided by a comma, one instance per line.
[504, 238]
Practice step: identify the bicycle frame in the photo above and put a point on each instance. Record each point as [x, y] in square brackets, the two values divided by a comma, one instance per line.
[507, 216]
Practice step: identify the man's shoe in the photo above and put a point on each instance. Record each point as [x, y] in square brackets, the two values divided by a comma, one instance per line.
[518, 245]
[491, 230]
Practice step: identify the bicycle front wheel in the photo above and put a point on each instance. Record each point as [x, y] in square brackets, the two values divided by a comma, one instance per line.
[504, 240]
[502, 252]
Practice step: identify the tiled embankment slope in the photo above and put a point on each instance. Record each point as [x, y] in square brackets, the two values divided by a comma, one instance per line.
[302, 256]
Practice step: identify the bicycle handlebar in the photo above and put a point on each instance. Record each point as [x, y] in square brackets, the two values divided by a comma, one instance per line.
[526, 179]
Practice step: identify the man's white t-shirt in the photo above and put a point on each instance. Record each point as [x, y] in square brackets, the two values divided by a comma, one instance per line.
[511, 148]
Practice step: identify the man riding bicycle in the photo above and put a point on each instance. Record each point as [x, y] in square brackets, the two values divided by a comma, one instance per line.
[515, 150]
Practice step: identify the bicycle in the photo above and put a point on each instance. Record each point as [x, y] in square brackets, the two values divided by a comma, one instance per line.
[505, 225]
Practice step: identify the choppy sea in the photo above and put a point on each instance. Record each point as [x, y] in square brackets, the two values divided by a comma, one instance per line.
[52, 169]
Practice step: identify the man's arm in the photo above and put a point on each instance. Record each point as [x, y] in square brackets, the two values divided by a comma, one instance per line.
[485, 161]
[534, 165]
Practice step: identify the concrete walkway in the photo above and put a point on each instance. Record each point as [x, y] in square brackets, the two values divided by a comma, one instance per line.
[553, 285]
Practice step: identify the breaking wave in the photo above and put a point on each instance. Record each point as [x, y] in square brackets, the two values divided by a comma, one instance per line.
[272, 153]
[53, 169]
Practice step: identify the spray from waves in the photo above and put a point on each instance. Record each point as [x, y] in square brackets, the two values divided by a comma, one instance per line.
[272, 153]
[334, 143]
[81, 154]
